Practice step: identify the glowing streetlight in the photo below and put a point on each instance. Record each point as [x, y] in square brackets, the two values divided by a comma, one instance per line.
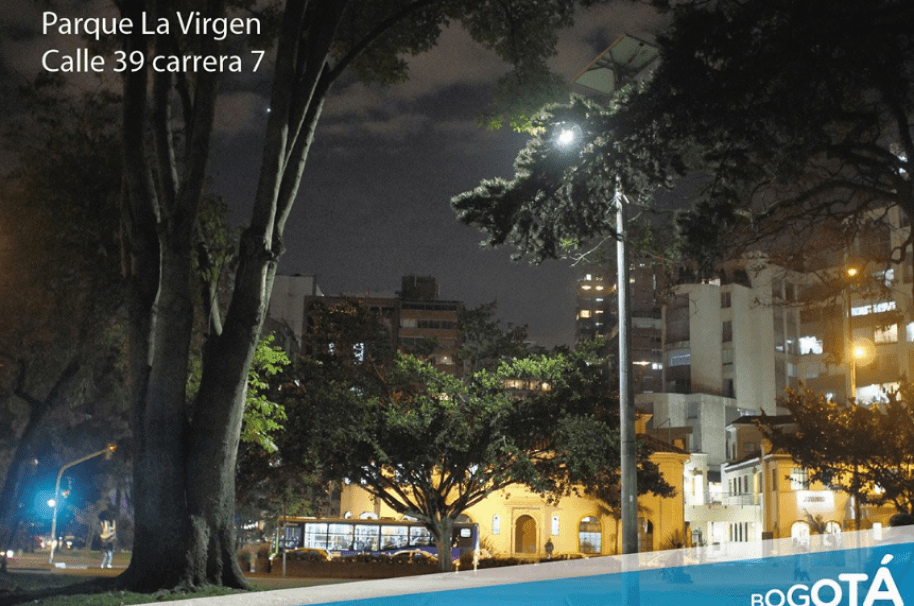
[567, 135]
[108, 451]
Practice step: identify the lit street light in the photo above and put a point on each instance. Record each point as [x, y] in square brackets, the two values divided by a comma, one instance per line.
[108, 451]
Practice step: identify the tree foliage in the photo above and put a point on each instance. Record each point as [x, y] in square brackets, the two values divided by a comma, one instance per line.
[484, 341]
[61, 374]
[861, 450]
[785, 116]
[431, 444]
[800, 114]
[560, 200]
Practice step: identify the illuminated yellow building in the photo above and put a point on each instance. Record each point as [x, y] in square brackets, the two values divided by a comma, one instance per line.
[780, 493]
[517, 522]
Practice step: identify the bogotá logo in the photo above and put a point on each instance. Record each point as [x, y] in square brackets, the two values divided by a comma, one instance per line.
[846, 591]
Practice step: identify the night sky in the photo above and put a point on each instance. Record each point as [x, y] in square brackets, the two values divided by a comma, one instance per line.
[373, 205]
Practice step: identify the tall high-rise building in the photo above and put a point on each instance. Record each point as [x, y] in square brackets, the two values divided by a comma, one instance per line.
[597, 316]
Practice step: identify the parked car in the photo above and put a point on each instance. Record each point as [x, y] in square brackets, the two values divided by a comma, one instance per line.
[416, 556]
[309, 554]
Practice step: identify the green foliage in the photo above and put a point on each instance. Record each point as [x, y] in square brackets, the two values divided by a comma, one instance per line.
[787, 118]
[431, 444]
[561, 200]
[484, 342]
[262, 416]
[852, 447]
[293, 478]
[803, 114]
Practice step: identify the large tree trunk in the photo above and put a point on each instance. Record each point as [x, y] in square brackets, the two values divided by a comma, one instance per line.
[161, 215]
[444, 530]
[218, 413]
[160, 480]
[185, 457]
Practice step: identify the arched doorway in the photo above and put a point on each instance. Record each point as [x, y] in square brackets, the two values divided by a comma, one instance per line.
[799, 532]
[833, 533]
[525, 535]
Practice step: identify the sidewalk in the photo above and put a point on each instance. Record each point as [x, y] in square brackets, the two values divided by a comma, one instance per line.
[66, 561]
[81, 563]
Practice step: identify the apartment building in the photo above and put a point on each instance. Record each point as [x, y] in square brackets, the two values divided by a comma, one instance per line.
[416, 320]
[286, 314]
[597, 316]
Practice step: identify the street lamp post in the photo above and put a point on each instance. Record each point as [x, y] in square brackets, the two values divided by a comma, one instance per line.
[628, 454]
[107, 451]
[853, 352]
[625, 61]
[849, 350]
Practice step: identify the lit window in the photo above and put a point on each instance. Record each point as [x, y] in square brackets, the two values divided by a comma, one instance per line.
[585, 287]
[810, 345]
[584, 313]
[599, 287]
[589, 536]
[680, 357]
[875, 308]
[876, 393]
[885, 306]
[887, 277]
[799, 479]
[888, 334]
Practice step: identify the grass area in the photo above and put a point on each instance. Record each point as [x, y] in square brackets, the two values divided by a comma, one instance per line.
[22, 588]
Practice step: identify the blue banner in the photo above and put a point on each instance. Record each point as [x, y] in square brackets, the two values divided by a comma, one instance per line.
[879, 575]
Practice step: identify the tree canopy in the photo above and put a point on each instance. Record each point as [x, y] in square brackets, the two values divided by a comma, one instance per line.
[61, 376]
[801, 114]
[785, 117]
[431, 444]
[861, 450]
